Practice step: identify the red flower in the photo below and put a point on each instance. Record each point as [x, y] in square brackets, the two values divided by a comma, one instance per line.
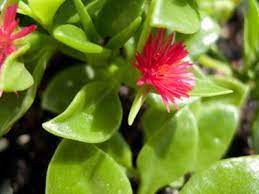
[8, 34]
[163, 66]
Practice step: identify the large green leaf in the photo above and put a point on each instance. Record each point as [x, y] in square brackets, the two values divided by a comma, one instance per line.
[12, 108]
[93, 116]
[79, 168]
[176, 15]
[116, 15]
[64, 86]
[14, 76]
[255, 133]
[45, 10]
[217, 126]
[232, 176]
[169, 153]
[118, 149]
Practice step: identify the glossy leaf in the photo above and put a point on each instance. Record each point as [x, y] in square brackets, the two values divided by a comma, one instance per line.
[217, 126]
[74, 37]
[117, 148]
[169, 153]
[45, 10]
[176, 15]
[232, 176]
[84, 169]
[200, 42]
[92, 117]
[116, 15]
[122, 37]
[13, 107]
[14, 76]
[239, 95]
[64, 86]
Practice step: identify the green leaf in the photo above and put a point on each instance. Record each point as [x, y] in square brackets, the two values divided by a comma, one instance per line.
[206, 88]
[137, 104]
[251, 33]
[45, 10]
[232, 176]
[169, 153]
[116, 15]
[239, 95]
[122, 37]
[92, 117]
[86, 20]
[14, 76]
[118, 149]
[255, 133]
[64, 86]
[217, 126]
[13, 108]
[74, 37]
[81, 168]
[200, 42]
[177, 15]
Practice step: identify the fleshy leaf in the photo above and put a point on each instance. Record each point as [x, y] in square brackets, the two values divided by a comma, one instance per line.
[14, 76]
[118, 149]
[64, 86]
[84, 169]
[176, 15]
[169, 153]
[232, 176]
[123, 13]
[217, 126]
[92, 117]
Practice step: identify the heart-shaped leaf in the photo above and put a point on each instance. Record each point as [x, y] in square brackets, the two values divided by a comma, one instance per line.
[92, 117]
[81, 168]
[169, 153]
[232, 176]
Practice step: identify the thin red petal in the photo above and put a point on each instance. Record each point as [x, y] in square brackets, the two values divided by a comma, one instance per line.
[23, 32]
[9, 16]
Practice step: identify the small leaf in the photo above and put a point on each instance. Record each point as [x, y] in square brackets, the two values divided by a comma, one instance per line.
[176, 15]
[118, 149]
[169, 153]
[74, 37]
[217, 126]
[232, 176]
[81, 168]
[92, 117]
[137, 104]
[14, 76]
[239, 95]
[64, 86]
